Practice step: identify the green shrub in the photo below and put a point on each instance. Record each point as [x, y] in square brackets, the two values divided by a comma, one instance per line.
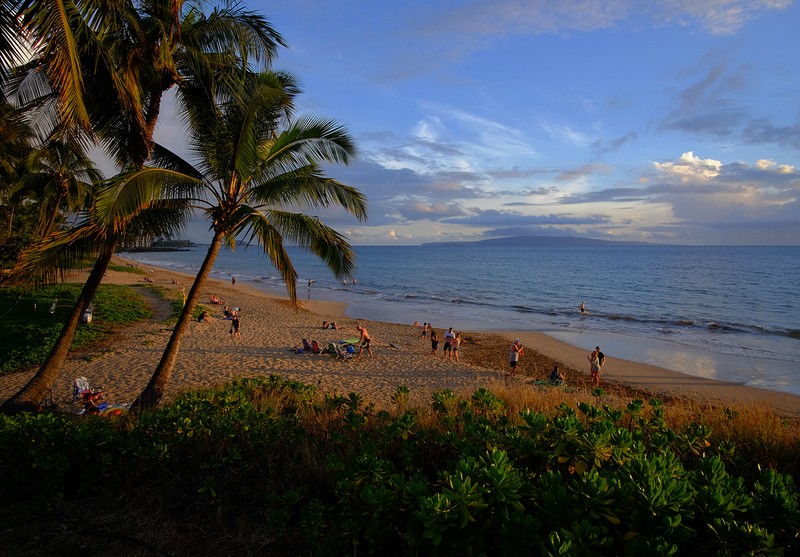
[327, 475]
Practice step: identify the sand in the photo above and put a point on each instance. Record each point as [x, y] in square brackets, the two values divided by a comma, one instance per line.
[270, 327]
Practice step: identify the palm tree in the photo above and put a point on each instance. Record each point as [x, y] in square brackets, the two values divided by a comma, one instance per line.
[253, 173]
[165, 44]
[119, 57]
[60, 176]
[122, 218]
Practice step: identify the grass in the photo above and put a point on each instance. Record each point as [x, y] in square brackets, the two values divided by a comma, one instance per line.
[127, 269]
[29, 331]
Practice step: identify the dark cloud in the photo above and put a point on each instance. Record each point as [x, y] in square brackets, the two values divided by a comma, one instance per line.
[759, 132]
[604, 146]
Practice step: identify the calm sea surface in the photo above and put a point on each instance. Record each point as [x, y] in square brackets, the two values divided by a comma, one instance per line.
[729, 313]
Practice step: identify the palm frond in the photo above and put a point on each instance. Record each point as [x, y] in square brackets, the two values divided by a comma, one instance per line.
[307, 187]
[54, 24]
[308, 233]
[269, 238]
[47, 261]
[311, 140]
[122, 197]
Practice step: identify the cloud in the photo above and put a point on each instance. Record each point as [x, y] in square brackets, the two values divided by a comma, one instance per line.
[709, 103]
[584, 171]
[705, 190]
[521, 17]
[760, 132]
[718, 17]
[689, 168]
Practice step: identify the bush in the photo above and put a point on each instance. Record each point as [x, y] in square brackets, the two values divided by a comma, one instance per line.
[278, 465]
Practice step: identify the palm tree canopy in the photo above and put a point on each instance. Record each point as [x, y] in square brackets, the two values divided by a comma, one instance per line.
[165, 44]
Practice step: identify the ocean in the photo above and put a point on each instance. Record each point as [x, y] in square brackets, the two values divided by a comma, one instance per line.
[727, 313]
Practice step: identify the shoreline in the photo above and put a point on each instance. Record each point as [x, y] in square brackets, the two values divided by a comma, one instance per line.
[209, 356]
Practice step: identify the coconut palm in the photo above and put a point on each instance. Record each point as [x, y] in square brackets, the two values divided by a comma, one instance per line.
[95, 234]
[60, 176]
[256, 167]
[119, 57]
[164, 44]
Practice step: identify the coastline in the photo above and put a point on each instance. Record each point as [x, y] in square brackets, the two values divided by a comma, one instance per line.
[270, 327]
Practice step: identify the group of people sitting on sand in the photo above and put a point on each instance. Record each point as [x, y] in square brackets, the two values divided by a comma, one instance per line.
[331, 325]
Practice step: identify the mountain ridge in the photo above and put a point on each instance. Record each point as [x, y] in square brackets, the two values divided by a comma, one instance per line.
[543, 241]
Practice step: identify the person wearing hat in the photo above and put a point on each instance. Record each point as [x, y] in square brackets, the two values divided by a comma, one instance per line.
[515, 352]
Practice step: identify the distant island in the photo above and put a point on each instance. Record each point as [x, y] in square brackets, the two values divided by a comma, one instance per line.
[161, 245]
[542, 241]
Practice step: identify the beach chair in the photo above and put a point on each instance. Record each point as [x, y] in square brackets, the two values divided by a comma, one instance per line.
[341, 352]
[82, 391]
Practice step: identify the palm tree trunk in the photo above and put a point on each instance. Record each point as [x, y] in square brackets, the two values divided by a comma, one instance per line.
[51, 220]
[29, 397]
[154, 391]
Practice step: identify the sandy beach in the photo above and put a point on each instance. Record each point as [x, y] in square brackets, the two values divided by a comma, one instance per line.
[270, 327]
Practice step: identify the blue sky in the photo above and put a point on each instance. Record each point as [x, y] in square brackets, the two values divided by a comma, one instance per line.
[667, 121]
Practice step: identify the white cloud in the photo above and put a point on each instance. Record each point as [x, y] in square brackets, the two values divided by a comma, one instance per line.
[689, 168]
[768, 165]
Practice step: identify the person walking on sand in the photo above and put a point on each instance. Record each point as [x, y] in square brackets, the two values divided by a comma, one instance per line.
[434, 342]
[594, 368]
[456, 346]
[235, 325]
[515, 352]
[365, 340]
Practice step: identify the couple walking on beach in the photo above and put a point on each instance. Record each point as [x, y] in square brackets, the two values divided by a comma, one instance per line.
[596, 361]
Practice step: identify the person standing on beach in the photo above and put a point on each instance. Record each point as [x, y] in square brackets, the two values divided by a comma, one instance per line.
[601, 358]
[594, 368]
[365, 340]
[449, 335]
[456, 346]
[515, 352]
[233, 281]
[434, 342]
[235, 325]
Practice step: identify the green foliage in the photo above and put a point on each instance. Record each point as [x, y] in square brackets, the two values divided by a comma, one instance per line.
[327, 475]
[30, 330]
[127, 269]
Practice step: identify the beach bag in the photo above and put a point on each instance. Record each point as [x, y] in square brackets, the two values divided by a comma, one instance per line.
[351, 349]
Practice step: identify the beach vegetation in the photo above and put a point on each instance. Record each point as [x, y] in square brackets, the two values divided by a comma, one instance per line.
[30, 329]
[127, 269]
[283, 469]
